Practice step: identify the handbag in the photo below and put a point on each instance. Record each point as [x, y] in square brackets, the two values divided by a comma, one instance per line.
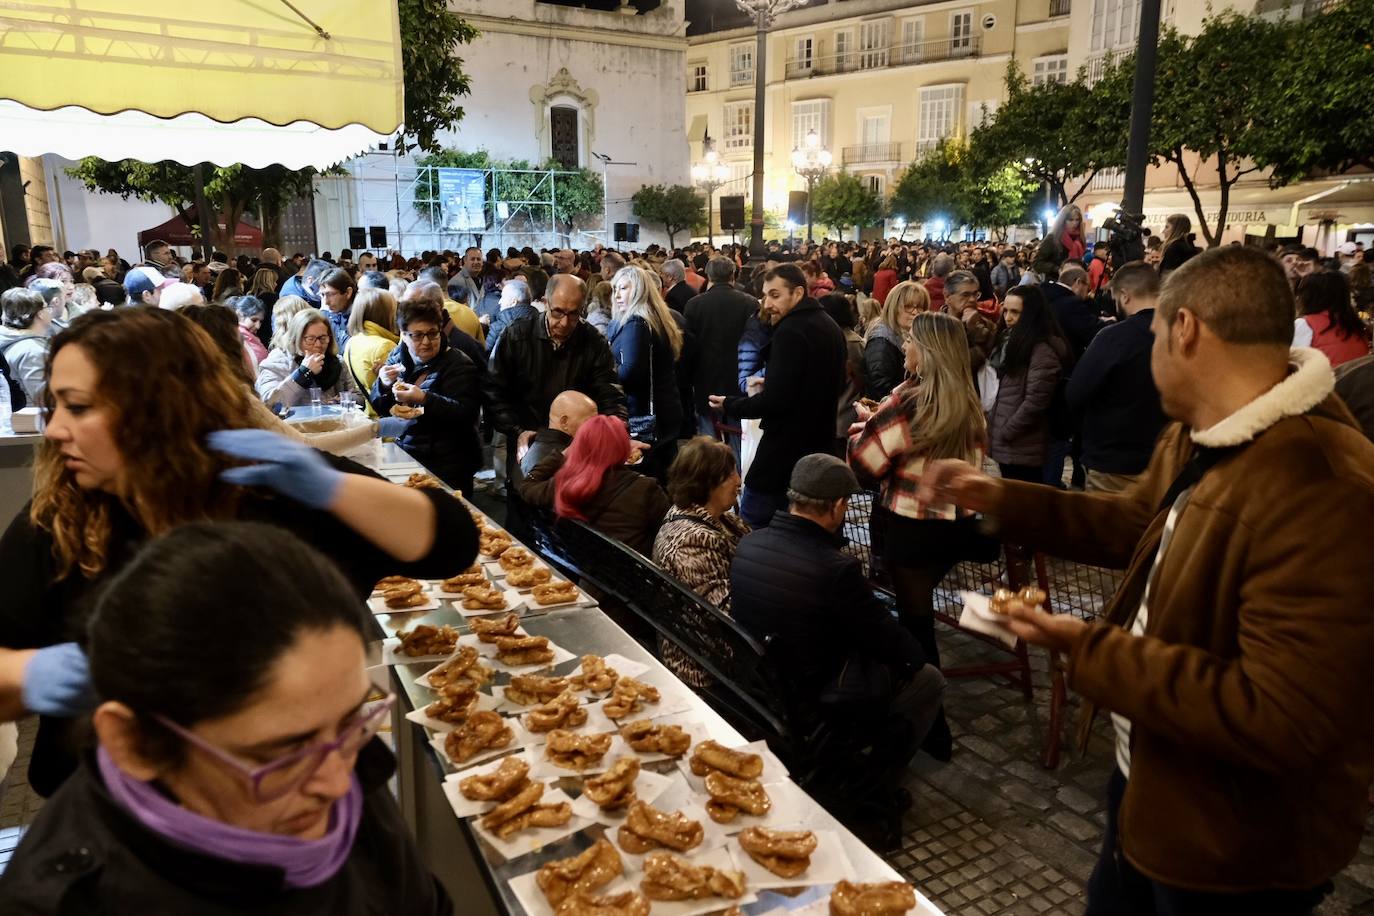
[644, 428]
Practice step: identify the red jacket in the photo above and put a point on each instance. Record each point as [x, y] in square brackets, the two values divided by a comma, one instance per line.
[1331, 340]
[883, 281]
[936, 287]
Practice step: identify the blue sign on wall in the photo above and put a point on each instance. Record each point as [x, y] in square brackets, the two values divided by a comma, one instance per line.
[462, 199]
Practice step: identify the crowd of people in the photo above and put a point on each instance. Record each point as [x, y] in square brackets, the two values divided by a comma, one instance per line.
[717, 416]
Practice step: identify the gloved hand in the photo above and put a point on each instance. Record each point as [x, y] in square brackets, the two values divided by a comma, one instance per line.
[57, 681]
[392, 427]
[291, 468]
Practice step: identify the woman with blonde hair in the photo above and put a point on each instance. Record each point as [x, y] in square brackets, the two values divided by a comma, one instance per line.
[286, 309]
[884, 362]
[1177, 246]
[309, 361]
[934, 414]
[646, 342]
[118, 467]
[372, 335]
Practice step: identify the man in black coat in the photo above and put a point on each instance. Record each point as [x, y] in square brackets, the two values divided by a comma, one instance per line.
[1068, 300]
[716, 320]
[805, 375]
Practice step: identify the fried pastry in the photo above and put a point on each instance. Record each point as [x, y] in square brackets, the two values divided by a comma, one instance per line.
[626, 903]
[407, 412]
[508, 779]
[401, 602]
[388, 582]
[527, 576]
[710, 756]
[473, 575]
[1030, 596]
[523, 650]
[402, 589]
[494, 543]
[482, 730]
[487, 630]
[595, 675]
[428, 640]
[575, 752]
[563, 711]
[454, 703]
[629, 696]
[888, 898]
[419, 481]
[523, 810]
[596, 867]
[615, 788]
[524, 799]
[669, 877]
[785, 853]
[463, 667]
[483, 598]
[515, 558]
[533, 689]
[730, 796]
[554, 593]
[649, 738]
[646, 828]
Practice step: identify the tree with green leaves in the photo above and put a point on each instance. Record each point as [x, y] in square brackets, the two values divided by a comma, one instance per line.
[433, 76]
[999, 200]
[1059, 134]
[840, 200]
[1210, 112]
[772, 223]
[932, 188]
[674, 207]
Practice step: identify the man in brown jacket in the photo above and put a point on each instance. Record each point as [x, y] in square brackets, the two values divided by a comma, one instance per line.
[1236, 655]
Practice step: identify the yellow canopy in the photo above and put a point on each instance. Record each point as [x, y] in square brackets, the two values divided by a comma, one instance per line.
[257, 82]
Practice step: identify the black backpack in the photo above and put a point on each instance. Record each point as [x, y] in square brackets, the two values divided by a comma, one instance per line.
[18, 400]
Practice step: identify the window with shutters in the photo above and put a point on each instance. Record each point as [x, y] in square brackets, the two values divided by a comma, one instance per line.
[808, 116]
[563, 136]
[803, 54]
[741, 65]
[873, 183]
[1052, 69]
[1115, 24]
[873, 44]
[913, 35]
[960, 31]
[696, 77]
[739, 125]
[939, 116]
[844, 50]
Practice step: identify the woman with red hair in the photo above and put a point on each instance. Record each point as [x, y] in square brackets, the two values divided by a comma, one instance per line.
[592, 483]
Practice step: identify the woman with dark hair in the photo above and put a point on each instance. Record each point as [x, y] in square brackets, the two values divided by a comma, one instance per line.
[885, 278]
[440, 386]
[228, 284]
[251, 314]
[118, 467]
[1029, 360]
[222, 780]
[27, 320]
[1327, 321]
[1177, 247]
[593, 483]
[1063, 242]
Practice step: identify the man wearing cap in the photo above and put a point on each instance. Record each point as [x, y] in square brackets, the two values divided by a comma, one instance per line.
[144, 285]
[1346, 253]
[790, 581]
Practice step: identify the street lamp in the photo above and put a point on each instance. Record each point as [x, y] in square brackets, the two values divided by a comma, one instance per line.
[709, 175]
[812, 161]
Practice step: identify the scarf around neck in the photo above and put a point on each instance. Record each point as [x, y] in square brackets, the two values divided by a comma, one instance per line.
[329, 373]
[304, 863]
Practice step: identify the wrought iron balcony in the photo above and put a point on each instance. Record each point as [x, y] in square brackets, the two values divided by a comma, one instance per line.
[1059, 8]
[899, 55]
[872, 152]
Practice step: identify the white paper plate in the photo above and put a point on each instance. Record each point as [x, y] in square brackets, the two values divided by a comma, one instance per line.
[773, 769]
[828, 865]
[980, 618]
[485, 701]
[391, 654]
[488, 652]
[378, 606]
[790, 806]
[721, 858]
[461, 804]
[515, 604]
[532, 839]
[437, 742]
[541, 767]
[648, 786]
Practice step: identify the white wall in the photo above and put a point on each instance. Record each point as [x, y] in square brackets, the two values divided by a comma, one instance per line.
[81, 219]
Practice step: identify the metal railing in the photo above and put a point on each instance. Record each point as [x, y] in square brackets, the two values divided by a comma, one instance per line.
[1109, 180]
[1059, 8]
[872, 152]
[1097, 65]
[742, 77]
[899, 55]
[1304, 9]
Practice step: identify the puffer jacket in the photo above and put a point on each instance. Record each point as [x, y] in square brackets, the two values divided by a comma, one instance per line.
[1019, 422]
[753, 350]
[444, 439]
[279, 383]
[884, 362]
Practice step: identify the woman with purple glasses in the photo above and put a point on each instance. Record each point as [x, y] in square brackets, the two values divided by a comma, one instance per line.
[236, 767]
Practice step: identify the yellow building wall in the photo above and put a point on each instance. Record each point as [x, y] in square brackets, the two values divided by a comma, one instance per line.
[36, 201]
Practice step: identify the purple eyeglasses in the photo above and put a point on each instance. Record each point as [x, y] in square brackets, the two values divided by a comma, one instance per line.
[284, 775]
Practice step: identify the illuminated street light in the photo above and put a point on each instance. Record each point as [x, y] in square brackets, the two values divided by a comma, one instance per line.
[709, 174]
[811, 161]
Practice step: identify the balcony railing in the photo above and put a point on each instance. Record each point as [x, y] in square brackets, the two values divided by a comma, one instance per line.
[739, 141]
[1109, 180]
[872, 152]
[1059, 8]
[742, 77]
[900, 55]
[1295, 9]
[1097, 66]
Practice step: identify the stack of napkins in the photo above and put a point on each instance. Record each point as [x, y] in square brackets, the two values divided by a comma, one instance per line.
[25, 421]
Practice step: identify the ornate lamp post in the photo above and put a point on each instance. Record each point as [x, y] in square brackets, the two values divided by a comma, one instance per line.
[811, 161]
[709, 174]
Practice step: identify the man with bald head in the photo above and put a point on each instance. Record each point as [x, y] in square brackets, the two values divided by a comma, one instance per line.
[564, 260]
[566, 415]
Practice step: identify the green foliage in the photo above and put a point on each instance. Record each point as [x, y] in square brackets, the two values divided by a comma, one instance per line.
[932, 188]
[840, 200]
[433, 71]
[772, 224]
[674, 207]
[999, 200]
[1060, 134]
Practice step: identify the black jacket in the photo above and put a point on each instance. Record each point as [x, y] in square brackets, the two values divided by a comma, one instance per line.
[791, 581]
[716, 319]
[42, 610]
[1077, 317]
[444, 439]
[87, 854]
[1179, 253]
[884, 365]
[807, 364]
[1114, 394]
[648, 374]
[526, 373]
[678, 297]
[109, 292]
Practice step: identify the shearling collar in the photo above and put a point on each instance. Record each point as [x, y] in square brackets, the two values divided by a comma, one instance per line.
[1307, 386]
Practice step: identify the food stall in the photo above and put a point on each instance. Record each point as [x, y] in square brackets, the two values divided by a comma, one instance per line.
[531, 729]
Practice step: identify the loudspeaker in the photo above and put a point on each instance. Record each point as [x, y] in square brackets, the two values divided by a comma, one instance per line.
[732, 213]
[357, 237]
[377, 235]
[626, 232]
[620, 232]
[796, 207]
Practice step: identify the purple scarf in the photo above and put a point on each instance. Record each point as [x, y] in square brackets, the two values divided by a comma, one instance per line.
[306, 863]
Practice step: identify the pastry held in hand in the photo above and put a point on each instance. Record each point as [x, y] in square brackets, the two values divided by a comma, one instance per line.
[581, 874]
[709, 757]
[408, 412]
[670, 877]
[487, 629]
[508, 779]
[889, 898]
[1030, 596]
[785, 853]
[646, 737]
[730, 796]
[615, 788]
[482, 730]
[647, 828]
[428, 640]
[628, 697]
[563, 711]
[575, 752]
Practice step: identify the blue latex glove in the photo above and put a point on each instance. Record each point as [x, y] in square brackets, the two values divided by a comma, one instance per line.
[57, 681]
[291, 468]
[392, 427]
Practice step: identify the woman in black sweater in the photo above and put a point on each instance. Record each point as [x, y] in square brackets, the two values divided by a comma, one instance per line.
[118, 467]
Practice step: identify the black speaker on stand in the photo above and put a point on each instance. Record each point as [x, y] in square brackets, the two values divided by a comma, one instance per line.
[357, 237]
[377, 235]
[796, 207]
[732, 212]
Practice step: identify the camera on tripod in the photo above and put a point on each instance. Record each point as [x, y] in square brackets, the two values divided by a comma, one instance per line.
[1127, 242]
